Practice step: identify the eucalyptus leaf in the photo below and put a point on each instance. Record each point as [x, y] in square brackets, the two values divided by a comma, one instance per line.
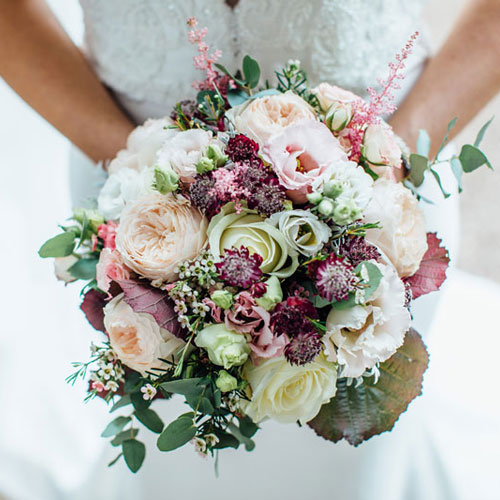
[246, 441]
[265, 93]
[374, 278]
[203, 404]
[226, 440]
[423, 143]
[451, 125]
[237, 97]
[84, 269]
[480, 135]
[124, 401]
[150, 419]
[247, 426]
[472, 158]
[177, 434]
[440, 184]
[61, 245]
[115, 426]
[456, 168]
[113, 462]
[139, 402]
[224, 70]
[358, 412]
[133, 452]
[418, 166]
[251, 71]
[124, 436]
[191, 387]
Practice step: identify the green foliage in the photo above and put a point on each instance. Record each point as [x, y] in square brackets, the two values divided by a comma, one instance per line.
[472, 158]
[374, 277]
[139, 402]
[177, 434]
[124, 436]
[134, 453]
[358, 412]
[418, 166]
[251, 71]
[123, 401]
[150, 419]
[191, 387]
[423, 143]
[61, 245]
[84, 269]
[115, 426]
[247, 426]
[480, 135]
[244, 440]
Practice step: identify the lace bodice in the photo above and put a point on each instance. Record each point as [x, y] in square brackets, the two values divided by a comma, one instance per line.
[139, 48]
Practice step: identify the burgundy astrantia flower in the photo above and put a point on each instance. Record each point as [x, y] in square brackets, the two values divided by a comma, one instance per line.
[334, 277]
[258, 290]
[290, 317]
[303, 348]
[239, 268]
[203, 194]
[240, 148]
[358, 250]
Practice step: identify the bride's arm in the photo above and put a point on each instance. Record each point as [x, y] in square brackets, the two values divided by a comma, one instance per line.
[459, 80]
[40, 62]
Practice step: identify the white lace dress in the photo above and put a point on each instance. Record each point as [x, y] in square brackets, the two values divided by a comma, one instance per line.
[139, 50]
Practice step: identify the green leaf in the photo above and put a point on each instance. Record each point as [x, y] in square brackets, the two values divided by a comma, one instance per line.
[133, 452]
[224, 70]
[472, 158]
[124, 436]
[438, 180]
[133, 382]
[264, 93]
[204, 405]
[423, 143]
[139, 402]
[451, 125]
[113, 462]
[251, 71]
[374, 277]
[237, 97]
[456, 168]
[480, 135]
[358, 413]
[247, 427]
[226, 440]
[177, 434]
[61, 245]
[191, 387]
[124, 401]
[418, 167]
[202, 95]
[115, 426]
[150, 419]
[84, 269]
[247, 442]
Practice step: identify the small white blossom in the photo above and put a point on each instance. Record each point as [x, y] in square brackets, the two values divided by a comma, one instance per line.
[211, 439]
[148, 392]
[200, 446]
[112, 386]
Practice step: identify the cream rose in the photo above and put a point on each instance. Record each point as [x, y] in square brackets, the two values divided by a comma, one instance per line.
[157, 231]
[143, 144]
[136, 338]
[337, 105]
[287, 393]
[380, 146]
[263, 117]
[248, 229]
[303, 231]
[402, 237]
[363, 335]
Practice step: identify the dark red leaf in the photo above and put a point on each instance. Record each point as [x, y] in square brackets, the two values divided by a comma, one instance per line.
[432, 271]
[144, 298]
[92, 306]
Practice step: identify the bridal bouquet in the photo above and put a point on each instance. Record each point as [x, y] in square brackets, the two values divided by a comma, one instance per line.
[255, 253]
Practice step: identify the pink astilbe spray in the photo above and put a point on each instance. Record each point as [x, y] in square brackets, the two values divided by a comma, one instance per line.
[380, 103]
[203, 61]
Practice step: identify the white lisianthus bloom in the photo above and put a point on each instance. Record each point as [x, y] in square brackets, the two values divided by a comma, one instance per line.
[136, 338]
[363, 335]
[143, 144]
[402, 236]
[287, 393]
[303, 231]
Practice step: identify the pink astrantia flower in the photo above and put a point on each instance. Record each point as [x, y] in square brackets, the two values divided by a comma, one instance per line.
[247, 317]
[302, 155]
[110, 268]
[107, 232]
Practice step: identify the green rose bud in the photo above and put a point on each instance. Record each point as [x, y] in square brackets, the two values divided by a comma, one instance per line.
[215, 154]
[314, 197]
[273, 295]
[94, 218]
[205, 165]
[222, 298]
[326, 207]
[338, 116]
[166, 179]
[333, 188]
[226, 382]
[224, 347]
[346, 212]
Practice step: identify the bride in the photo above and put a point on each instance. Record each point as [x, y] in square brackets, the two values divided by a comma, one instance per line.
[134, 65]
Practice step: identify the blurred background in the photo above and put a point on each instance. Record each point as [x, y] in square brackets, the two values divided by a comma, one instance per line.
[34, 197]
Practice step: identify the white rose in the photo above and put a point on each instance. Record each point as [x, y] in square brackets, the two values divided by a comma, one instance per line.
[361, 336]
[380, 146]
[62, 266]
[143, 144]
[266, 116]
[303, 231]
[184, 151]
[287, 393]
[337, 104]
[402, 237]
[137, 339]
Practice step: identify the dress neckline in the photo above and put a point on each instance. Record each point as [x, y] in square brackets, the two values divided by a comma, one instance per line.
[232, 4]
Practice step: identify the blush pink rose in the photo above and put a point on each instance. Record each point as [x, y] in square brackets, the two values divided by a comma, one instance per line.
[110, 268]
[107, 233]
[247, 317]
[302, 156]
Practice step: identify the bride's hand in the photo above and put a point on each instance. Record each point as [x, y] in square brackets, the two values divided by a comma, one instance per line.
[41, 63]
[459, 81]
